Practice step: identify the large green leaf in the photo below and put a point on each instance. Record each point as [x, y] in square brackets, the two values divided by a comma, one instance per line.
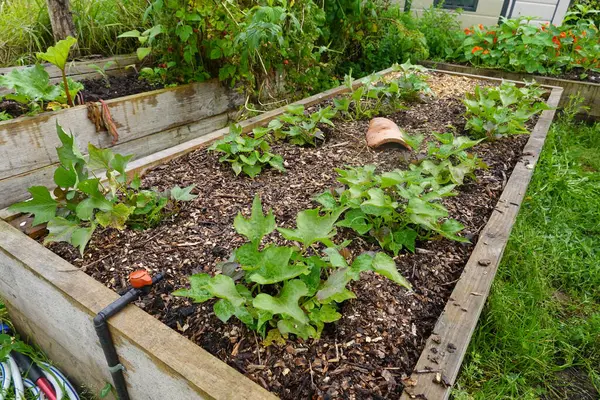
[69, 154]
[273, 265]
[223, 287]
[42, 205]
[183, 194]
[335, 284]
[63, 230]
[385, 265]
[197, 292]
[286, 303]
[312, 228]
[258, 225]
[116, 217]
[58, 53]
[32, 83]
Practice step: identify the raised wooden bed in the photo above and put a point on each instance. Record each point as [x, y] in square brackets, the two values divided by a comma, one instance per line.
[588, 90]
[78, 70]
[45, 294]
[146, 123]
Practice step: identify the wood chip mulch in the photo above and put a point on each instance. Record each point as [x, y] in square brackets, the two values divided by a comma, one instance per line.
[375, 345]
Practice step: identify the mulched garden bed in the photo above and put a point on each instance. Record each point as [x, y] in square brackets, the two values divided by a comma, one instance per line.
[366, 354]
[94, 90]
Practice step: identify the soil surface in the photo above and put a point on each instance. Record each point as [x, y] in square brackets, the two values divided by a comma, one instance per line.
[94, 90]
[366, 354]
[117, 86]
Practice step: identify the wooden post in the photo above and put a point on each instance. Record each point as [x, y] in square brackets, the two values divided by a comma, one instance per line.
[61, 19]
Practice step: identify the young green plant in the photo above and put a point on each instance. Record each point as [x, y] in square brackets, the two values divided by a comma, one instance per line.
[247, 154]
[81, 201]
[57, 55]
[290, 289]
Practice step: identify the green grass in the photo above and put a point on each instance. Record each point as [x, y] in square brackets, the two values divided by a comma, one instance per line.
[25, 27]
[543, 314]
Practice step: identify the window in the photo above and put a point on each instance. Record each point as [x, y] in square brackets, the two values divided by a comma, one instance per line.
[467, 5]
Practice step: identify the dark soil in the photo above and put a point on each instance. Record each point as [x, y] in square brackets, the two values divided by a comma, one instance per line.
[119, 86]
[94, 90]
[366, 354]
[576, 75]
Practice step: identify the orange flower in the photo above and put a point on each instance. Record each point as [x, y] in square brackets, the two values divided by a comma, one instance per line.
[495, 39]
[577, 47]
[543, 28]
[480, 26]
[486, 51]
[583, 33]
[468, 31]
[563, 35]
[476, 49]
[556, 41]
[491, 33]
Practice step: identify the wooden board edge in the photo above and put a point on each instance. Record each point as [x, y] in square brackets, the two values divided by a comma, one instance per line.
[176, 353]
[548, 80]
[433, 378]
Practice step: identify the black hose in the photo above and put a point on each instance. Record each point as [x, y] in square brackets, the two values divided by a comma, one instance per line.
[106, 341]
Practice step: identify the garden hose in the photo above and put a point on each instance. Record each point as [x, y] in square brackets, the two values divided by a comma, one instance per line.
[40, 381]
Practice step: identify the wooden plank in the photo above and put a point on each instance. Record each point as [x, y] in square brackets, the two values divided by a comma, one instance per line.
[45, 294]
[81, 67]
[446, 347]
[14, 188]
[29, 143]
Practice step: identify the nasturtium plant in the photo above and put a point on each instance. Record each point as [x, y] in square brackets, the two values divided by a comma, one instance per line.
[287, 289]
[493, 112]
[245, 153]
[81, 201]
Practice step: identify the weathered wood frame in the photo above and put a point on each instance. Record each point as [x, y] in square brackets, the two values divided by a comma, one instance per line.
[45, 293]
[589, 91]
[146, 123]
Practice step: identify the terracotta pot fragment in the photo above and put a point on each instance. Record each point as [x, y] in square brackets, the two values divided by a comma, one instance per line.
[384, 131]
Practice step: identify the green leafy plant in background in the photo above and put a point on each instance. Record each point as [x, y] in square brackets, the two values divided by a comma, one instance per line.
[31, 87]
[245, 153]
[287, 289]
[81, 201]
[522, 46]
[441, 29]
[449, 162]
[503, 110]
[57, 55]
[395, 208]
[298, 128]
[377, 95]
[102, 70]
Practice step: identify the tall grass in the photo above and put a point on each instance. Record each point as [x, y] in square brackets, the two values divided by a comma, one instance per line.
[25, 27]
[542, 319]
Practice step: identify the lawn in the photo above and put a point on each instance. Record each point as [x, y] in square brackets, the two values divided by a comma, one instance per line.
[539, 334]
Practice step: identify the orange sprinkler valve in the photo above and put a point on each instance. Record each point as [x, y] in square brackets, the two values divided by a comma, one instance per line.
[140, 278]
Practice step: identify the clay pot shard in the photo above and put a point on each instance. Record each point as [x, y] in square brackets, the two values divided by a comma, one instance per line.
[383, 131]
